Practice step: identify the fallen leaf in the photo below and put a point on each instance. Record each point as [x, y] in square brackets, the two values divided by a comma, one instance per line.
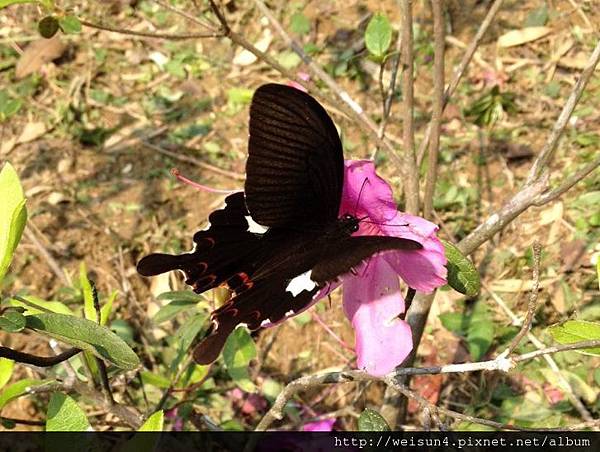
[518, 285]
[245, 58]
[37, 54]
[571, 254]
[31, 131]
[579, 62]
[522, 36]
[8, 145]
[55, 198]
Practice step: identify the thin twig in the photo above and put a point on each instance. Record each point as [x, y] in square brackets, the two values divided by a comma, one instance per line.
[411, 180]
[533, 297]
[543, 161]
[438, 105]
[567, 184]
[501, 363]
[151, 35]
[563, 382]
[70, 385]
[34, 360]
[43, 252]
[460, 70]
[194, 161]
[537, 183]
[348, 105]
[22, 421]
[558, 348]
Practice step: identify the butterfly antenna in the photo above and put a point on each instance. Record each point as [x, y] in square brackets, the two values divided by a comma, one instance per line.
[181, 178]
[360, 194]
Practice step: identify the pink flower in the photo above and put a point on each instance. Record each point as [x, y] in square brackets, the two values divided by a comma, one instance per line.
[372, 298]
[325, 425]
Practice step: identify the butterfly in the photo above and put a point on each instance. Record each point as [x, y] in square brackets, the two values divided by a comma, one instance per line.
[280, 241]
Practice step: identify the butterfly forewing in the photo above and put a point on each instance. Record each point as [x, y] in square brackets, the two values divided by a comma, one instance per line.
[295, 166]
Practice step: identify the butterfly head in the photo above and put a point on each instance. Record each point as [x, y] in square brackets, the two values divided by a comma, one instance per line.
[349, 223]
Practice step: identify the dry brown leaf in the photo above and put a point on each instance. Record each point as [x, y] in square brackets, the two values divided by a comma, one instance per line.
[37, 54]
[518, 285]
[31, 131]
[579, 61]
[522, 36]
[7, 145]
[245, 58]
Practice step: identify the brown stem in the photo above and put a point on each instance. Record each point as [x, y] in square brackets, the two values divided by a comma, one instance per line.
[438, 105]
[411, 180]
[34, 360]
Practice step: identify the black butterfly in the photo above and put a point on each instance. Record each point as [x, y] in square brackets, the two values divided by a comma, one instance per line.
[280, 241]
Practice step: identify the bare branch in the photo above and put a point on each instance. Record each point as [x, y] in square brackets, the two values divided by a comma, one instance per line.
[558, 348]
[411, 178]
[438, 105]
[501, 363]
[43, 252]
[34, 360]
[562, 381]
[533, 297]
[567, 184]
[543, 161]
[460, 70]
[349, 106]
[151, 35]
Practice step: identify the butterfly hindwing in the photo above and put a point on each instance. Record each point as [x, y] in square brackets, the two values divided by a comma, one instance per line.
[224, 253]
[295, 166]
[267, 301]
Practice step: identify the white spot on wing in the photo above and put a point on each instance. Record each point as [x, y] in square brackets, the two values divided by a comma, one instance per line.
[301, 283]
[290, 313]
[265, 322]
[254, 227]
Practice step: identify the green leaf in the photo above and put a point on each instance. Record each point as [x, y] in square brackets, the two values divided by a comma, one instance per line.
[480, 332]
[372, 421]
[538, 17]
[12, 321]
[6, 369]
[577, 331]
[8, 107]
[299, 24]
[598, 271]
[289, 59]
[462, 274]
[238, 351]
[89, 311]
[64, 415]
[106, 309]
[170, 310]
[87, 335]
[455, 321]
[70, 24]
[148, 378]
[35, 305]
[48, 26]
[13, 215]
[378, 35]
[239, 96]
[18, 389]
[154, 423]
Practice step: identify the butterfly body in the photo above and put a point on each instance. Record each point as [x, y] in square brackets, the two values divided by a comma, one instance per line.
[278, 243]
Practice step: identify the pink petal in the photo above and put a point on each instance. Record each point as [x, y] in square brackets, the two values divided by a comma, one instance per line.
[372, 302]
[325, 425]
[365, 193]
